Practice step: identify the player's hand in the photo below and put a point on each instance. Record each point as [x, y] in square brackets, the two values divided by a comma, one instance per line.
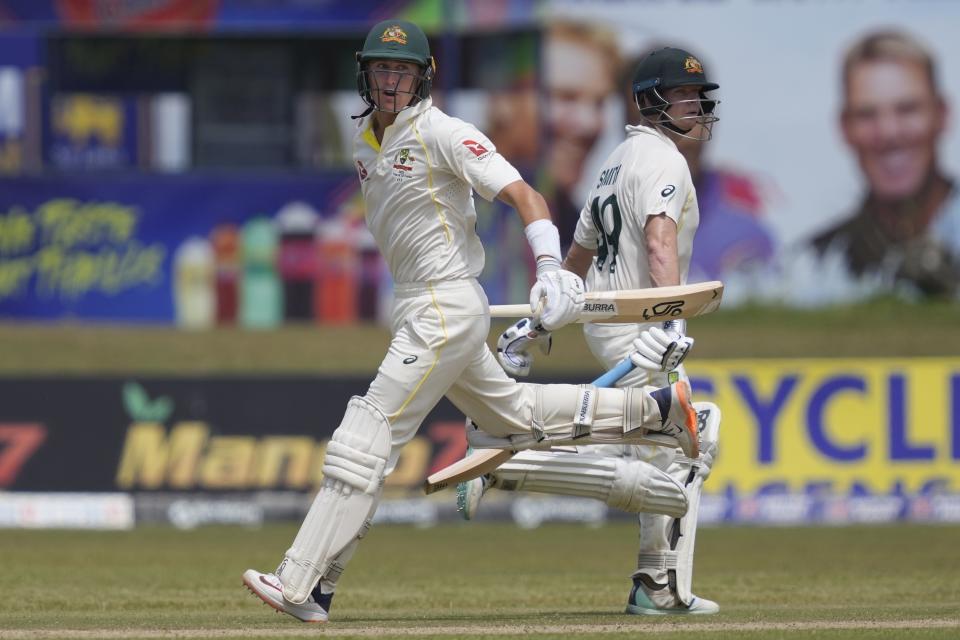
[513, 346]
[561, 292]
[661, 349]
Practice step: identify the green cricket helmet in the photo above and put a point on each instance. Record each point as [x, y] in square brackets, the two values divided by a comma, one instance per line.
[395, 40]
[667, 68]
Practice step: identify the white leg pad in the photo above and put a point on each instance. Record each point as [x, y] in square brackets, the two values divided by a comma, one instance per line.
[564, 415]
[353, 472]
[668, 546]
[627, 484]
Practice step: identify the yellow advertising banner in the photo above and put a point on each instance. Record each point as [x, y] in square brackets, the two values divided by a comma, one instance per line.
[860, 426]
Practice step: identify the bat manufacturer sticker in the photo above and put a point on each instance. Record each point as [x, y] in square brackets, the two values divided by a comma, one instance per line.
[599, 307]
[670, 308]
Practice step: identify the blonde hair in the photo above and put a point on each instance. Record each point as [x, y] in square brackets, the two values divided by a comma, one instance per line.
[889, 46]
[591, 36]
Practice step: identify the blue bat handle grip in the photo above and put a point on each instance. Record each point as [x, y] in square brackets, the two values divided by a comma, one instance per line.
[610, 378]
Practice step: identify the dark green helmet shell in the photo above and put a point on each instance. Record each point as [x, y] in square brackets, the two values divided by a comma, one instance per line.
[396, 40]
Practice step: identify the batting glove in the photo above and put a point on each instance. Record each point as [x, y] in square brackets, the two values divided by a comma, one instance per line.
[661, 349]
[561, 293]
[514, 344]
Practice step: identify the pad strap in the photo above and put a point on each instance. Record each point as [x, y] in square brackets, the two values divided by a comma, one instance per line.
[662, 560]
[586, 408]
[353, 467]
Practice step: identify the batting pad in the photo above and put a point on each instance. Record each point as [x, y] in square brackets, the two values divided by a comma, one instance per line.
[627, 484]
[353, 472]
[593, 415]
[677, 539]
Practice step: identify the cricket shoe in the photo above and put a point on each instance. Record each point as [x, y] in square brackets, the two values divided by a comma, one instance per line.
[268, 588]
[678, 416]
[469, 494]
[648, 598]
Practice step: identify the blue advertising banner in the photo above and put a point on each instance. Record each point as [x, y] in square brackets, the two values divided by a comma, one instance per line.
[100, 248]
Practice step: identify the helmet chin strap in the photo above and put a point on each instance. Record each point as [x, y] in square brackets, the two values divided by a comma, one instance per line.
[368, 111]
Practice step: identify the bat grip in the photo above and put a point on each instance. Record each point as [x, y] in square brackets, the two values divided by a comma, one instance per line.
[610, 378]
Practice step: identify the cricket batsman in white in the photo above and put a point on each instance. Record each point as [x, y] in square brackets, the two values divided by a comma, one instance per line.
[635, 231]
[418, 169]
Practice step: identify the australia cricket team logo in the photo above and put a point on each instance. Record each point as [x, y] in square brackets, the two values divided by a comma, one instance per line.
[394, 34]
[692, 65]
[403, 164]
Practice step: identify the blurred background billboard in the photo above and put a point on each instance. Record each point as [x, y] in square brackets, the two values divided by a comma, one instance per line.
[824, 183]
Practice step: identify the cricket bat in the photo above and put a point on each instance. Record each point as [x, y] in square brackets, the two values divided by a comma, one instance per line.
[484, 461]
[637, 305]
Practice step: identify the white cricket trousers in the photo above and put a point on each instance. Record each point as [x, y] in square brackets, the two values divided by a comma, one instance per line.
[439, 348]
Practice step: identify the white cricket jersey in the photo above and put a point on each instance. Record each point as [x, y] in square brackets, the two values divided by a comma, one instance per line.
[418, 189]
[644, 176]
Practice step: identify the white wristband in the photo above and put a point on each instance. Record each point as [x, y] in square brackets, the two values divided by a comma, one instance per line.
[544, 239]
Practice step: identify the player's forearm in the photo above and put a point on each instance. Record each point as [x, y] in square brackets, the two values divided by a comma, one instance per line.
[528, 202]
[579, 259]
[664, 270]
[660, 233]
[541, 233]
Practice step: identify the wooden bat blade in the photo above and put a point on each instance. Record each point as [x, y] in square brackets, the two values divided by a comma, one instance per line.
[637, 305]
[473, 466]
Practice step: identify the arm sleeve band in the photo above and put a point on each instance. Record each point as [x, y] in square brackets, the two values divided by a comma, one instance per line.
[544, 239]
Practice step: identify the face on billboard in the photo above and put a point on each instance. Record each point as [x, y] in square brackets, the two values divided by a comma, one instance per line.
[892, 120]
[578, 80]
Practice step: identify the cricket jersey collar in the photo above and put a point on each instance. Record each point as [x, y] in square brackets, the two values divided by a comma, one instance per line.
[641, 129]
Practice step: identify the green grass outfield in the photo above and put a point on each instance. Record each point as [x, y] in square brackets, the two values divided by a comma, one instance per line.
[484, 580]
[883, 328]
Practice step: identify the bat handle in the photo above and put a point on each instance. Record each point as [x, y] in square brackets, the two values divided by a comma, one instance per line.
[610, 378]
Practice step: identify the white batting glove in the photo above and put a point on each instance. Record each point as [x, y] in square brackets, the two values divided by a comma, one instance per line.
[561, 292]
[661, 349]
[514, 344]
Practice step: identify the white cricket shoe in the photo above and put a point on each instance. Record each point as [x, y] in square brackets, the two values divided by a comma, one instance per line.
[268, 588]
[678, 416]
[647, 598]
[469, 494]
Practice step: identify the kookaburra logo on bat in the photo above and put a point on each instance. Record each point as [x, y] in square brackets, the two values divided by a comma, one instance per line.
[599, 307]
[671, 308]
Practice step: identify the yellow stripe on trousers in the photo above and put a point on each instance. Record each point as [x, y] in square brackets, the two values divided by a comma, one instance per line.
[443, 329]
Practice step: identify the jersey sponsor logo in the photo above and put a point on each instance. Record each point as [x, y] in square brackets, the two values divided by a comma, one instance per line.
[409, 359]
[599, 307]
[667, 191]
[476, 148]
[692, 65]
[394, 34]
[362, 170]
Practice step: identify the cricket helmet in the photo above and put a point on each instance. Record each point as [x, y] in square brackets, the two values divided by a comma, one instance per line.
[668, 68]
[396, 40]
